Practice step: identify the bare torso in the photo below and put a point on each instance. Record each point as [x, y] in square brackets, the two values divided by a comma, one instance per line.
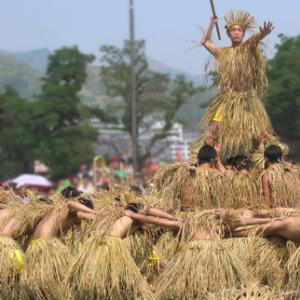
[52, 226]
[10, 228]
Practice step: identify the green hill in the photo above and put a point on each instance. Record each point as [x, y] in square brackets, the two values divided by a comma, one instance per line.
[19, 75]
[24, 70]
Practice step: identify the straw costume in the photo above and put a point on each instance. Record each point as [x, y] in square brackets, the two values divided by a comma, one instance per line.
[193, 186]
[203, 266]
[12, 264]
[17, 224]
[246, 191]
[104, 268]
[52, 257]
[238, 112]
[284, 183]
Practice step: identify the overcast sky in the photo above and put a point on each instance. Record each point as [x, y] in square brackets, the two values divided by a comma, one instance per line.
[170, 27]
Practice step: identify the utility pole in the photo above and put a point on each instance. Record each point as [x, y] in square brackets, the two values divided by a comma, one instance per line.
[134, 129]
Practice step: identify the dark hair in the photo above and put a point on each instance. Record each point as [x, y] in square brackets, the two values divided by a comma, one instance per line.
[70, 192]
[133, 206]
[44, 200]
[273, 154]
[86, 202]
[136, 189]
[118, 198]
[243, 164]
[206, 154]
[103, 186]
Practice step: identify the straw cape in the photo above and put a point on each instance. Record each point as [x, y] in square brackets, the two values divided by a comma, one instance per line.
[52, 258]
[285, 185]
[192, 186]
[104, 267]
[203, 266]
[246, 191]
[12, 264]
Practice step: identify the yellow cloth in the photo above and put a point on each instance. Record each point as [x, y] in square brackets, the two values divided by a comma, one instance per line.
[18, 256]
[15, 254]
[218, 117]
[39, 240]
[154, 256]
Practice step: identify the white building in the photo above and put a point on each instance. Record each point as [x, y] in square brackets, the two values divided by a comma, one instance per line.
[115, 141]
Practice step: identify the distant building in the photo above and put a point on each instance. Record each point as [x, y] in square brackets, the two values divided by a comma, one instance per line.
[113, 140]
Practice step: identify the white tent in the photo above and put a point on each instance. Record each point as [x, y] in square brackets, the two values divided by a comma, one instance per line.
[32, 180]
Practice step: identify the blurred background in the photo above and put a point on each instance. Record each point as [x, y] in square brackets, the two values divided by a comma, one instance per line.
[71, 111]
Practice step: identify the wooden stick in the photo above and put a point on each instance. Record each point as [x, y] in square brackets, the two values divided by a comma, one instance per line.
[215, 16]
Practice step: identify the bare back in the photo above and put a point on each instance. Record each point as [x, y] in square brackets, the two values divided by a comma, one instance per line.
[53, 226]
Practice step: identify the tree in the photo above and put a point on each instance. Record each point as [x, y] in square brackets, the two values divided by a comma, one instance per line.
[61, 122]
[283, 99]
[156, 93]
[17, 141]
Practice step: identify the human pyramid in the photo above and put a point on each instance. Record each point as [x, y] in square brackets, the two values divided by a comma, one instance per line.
[224, 226]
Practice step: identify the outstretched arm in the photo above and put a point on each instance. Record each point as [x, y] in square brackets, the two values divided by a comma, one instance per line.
[173, 225]
[73, 205]
[206, 40]
[159, 213]
[264, 31]
[84, 215]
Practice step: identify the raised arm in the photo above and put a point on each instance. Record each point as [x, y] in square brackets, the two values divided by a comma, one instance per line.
[206, 40]
[219, 164]
[263, 32]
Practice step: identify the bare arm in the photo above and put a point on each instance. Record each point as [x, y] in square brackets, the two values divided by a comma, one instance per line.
[264, 213]
[173, 225]
[220, 166]
[266, 189]
[264, 31]
[73, 205]
[159, 213]
[254, 221]
[206, 40]
[84, 215]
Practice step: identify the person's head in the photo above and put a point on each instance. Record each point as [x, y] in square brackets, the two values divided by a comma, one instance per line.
[133, 206]
[236, 34]
[104, 186]
[23, 190]
[237, 23]
[207, 155]
[99, 162]
[86, 179]
[83, 168]
[86, 202]
[136, 189]
[244, 165]
[70, 192]
[273, 154]
[75, 181]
